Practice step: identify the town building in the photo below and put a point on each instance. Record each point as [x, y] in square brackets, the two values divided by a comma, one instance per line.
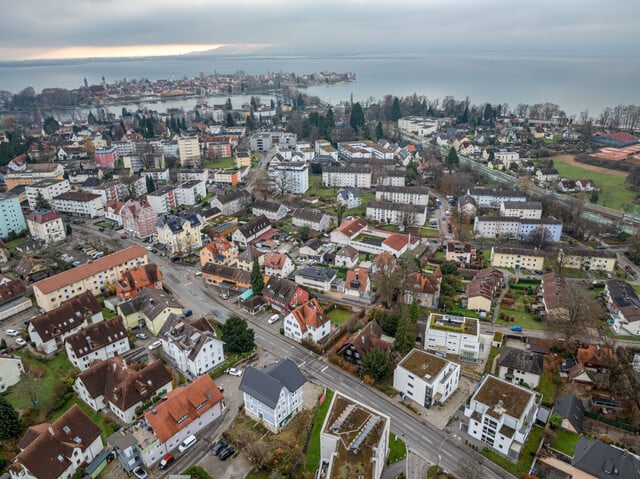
[185, 411]
[520, 367]
[307, 322]
[501, 415]
[95, 277]
[278, 264]
[11, 216]
[517, 258]
[79, 203]
[138, 218]
[354, 437]
[346, 177]
[251, 231]
[121, 387]
[47, 189]
[312, 218]
[106, 158]
[426, 378]
[46, 226]
[134, 280]
[48, 330]
[407, 195]
[455, 335]
[220, 251]
[283, 295]
[101, 340]
[587, 260]
[273, 395]
[150, 308]
[189, 151]
[233, 202]
[180, 234]
[272, 210]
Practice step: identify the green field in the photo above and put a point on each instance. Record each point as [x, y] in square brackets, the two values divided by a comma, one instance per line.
[614, 192]
[223, 163]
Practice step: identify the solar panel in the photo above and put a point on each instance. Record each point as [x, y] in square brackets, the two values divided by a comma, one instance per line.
[364, 433]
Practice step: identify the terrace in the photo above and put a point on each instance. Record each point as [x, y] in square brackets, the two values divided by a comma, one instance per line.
[455, 324]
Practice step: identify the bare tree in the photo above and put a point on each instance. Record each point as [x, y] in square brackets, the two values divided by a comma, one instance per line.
[578, 314]
[282, 181]
[469, 469]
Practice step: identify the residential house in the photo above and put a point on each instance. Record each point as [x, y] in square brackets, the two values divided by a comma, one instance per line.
[251, 231]
[585, 184]
[547, 175]
[488, 198]
[151, 308]
[270, 209]
[460, 252]
[247, 257]
[46, 226]
[316, 277]
[517, 258]
[520, 367]
[354, 347]
[604, 461]
[587, 260]
[79, 203]
[193, 347]
[347, 257]
[48, 330]
[483, 289]
[567, 186]
[426, 378]
[550, 230]
[624, 307]
[358, 284]
[456, 335]
[113, 212]
[310, 217]
[11, 371]
[138, 218]
[232, 203]
[348, 444]
[95, 277]
[219, 251]
[404, 215]
[553, 290]
[273, 395]
[57, 450]
[570, 408]
[278, 264]
[12, 297]
[467, 206]
[101, 340]
[47, 189]
[5, 255]
[408, 195]
[595, 357]
[226, 277]
[347, 176]
[122, 387]
[347, 231]
[501, 415]
[191, 192]
[283, 295]
[181, 234]
[307, 321]
[185, 411]
[424, 288]
[134, 280]
[163, 200]
[521, 209]
[313, 250]
[349, 198]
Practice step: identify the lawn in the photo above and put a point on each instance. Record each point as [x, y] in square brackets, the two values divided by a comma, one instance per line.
[547, 389]
[566, 442]
[574, 273]
[523, 465]
[397, 449]
[13, 244]
[223, 163]
[313, 448]
[20, 395]
[339, 316]
[614, 192]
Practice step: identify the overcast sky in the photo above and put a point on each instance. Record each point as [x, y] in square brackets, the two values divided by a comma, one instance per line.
[71, 28]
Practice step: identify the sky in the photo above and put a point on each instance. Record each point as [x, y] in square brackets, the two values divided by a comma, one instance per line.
[45, 29]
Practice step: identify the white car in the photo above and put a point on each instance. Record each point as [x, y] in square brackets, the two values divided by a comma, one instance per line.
[140, 473]
[12, 333]
[155, 345]
[234, 371]
[21, 342]
[273, 318]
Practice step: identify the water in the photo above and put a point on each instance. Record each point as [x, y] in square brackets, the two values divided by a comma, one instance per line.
[574, 83]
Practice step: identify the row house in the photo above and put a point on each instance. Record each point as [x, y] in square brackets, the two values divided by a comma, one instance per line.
[121, 388]
[404, 215]
[408, 195]
[455, 335]
[312, 218]
[272, 210]
[78, 203]
[521, 209]
[346, 177]
[283, 295]
[307, 322]
[190, 192]
[425, 378]
[278, 265]
[138, 218]
[219, 251]
[554, 294]
[47, 189]
[48, 330]
[150, 309]
[517, 258]
[96, 277]
[102, 340]
[225, 276]
[492, 198]
[483, 289]
[587, 260]
[251, 231]
[163, 200]
[46, 226]
[193, 174]
[182, 235]
[233, 202]
[134, 280]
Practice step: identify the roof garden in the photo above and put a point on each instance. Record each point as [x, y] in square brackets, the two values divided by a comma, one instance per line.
[423, 364]
[454, 324]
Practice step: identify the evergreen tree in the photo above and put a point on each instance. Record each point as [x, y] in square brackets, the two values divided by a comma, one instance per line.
[151, 186]
[11, 425]
[230, 121]
[228, 105]
[237, 336]
[357, 117]
[396, 110]
[452, 157]
[331, 123]
[41, 202]
[415, 311]
[379, 131]
[405, 332]
[375, 364]
[68, 230]
[257, 280]
[412, 171]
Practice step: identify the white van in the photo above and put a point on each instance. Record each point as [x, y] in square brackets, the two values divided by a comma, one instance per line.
[187, 443]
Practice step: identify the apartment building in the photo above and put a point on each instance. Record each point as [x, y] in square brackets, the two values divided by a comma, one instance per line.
[404, 215]
[79, 203]
[189, 151]
[106, 158]
[312, 218]
[30, 173]
[163, 200]
[363, 149]
[138, 218]
[517, 258]
[180, 234]
[46, 226]
[191, 192]
[264, 140]
[516, 228]
[290, 177]
[11, 216]
[102, 340]
[49, 189]
[408, 195]
[456, 335]
[531, 210]
[347, 177]
[587, 260]
[488, 198]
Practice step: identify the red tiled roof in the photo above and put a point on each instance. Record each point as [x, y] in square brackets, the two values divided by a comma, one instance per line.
[309, 314]
[352, 227]
[42, 217]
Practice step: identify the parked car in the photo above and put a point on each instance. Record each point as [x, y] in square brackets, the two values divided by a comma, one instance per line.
[155, 345]
[187, 443]
[187, 313]
[517, 329]
[273, 318]
[140, 473]
[12, 332]
[141, 336]
[224, 295]
[227, 453]
[234, 371]
[123, 236]
[21, 342]
[219, 446]
[166, 461]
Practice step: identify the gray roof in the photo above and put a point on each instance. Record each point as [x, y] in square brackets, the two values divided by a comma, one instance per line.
[605, 462]
[570, 408]
[266, 205]
[265, 385]
[318, 273]
[522, 360]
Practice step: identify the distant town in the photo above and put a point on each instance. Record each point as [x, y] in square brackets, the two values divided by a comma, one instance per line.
[406, 287]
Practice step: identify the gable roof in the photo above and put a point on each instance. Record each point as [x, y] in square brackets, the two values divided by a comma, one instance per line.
[311, 215]
[604, 461]
[227, 272]
[366, 339]
[275, 260]
[571, 409]
[150, 302]
[280, 290]
[253, 227]
[265, 385]
[266, 205]
[97, 336]
[351, 227]
[140, 277]
[69, 315]
[11, 290]
[522, 360]
[309, 314]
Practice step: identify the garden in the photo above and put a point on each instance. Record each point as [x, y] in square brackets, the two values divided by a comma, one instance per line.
[516, 307]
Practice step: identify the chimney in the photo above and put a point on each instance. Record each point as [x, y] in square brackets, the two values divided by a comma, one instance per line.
[51, 430]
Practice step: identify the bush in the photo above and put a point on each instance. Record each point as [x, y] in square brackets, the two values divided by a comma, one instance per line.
[196, 472]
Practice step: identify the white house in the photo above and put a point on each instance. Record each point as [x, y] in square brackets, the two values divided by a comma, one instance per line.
[316, 277]
[272, 210]
[408, 195]
[349, 198]
[501, 415]
[233, 202]
[11, 371]
[190, 192]
[49, 189]
[250, 231]
[622, 303]
[520, 367]
[273, 395]
[312, 218]
[450, 334]
[426, 378]
[531, 210]
[101, 340]
[488, 198]
[79, 203]
[307, 321]
[278, 264]
[193, 347]
[46, 226]
[397, 213]
[290, 177]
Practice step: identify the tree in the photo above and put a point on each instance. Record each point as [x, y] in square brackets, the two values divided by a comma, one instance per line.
[379, 131]
[633, 247]
[375, 364]
[340, 208]
[50, 125]
[305, 233]
[151, 187]
[257, 280]
[412, 173]
[237, 336]
[11, 425]
[396, 110]
[41, 202]
[452, 157]
[577, 315]
[230, 121]
[406, 332]
[282, 181]
[555, 421]
[228, 105]
[414, 310]
[449, 268]
[469, 469]
[356, 120]
[68, 230]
